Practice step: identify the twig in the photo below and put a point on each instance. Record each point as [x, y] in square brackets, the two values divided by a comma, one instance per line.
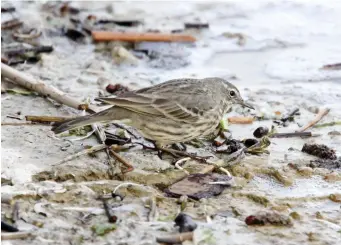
[123, 161]
[122, 127]
[176, 238]
[220, 183]
[43, 89]
[45, 119]
[7, 9]
[11, 24]
[240, 120]
[34, 33]
[181, 161]
[15, 212]
[128, 184]
[318, 117]
[40, 49]
[13, 117]
[327, 124]
[336, 66]
[153, 210]
[111, 217]
[15, 235]
[104, 36]
[225, 171]
[84, 152]
[295, 134]
[18, 124]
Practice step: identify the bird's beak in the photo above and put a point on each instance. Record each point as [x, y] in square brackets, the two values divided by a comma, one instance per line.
[243, 103]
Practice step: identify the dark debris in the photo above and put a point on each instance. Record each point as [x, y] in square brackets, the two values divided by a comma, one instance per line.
[260, 132]
[185, 223]
[198, 186]
[328, 164]
[117, 89]
[269, 218]
[321, 151]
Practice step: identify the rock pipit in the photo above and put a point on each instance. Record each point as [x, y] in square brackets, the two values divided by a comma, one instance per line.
[175, 111]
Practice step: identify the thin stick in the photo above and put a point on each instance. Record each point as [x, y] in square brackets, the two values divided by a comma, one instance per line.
[15, 235]
[46, 119]
[17, 124]
[104, 36]
[43, 89]
[295, 134]
[87, 151]
[153, 210]
[327, 124]
[176, 238]
[240, 120]
[11, 24]
[129, 184]
[111, 217]
[318, 117]
[181, 161]
[123, 161]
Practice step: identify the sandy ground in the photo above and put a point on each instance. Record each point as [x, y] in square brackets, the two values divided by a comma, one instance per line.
[277, 69]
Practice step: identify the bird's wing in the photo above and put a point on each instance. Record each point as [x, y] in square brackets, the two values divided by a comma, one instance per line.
[154, 106]
[180, 99]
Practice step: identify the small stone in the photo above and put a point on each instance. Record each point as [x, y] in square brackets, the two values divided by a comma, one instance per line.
[269, 218]
[185, 223]
[332, 177]
[250, 142]
[280, 208]
[335, 197]
[115, 88]
[305, 171]
[334, 133]
[295, 216]
[260, 132]
[319, 215]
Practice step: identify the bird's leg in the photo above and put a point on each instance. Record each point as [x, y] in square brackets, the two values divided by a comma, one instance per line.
[155, 148]
[179, 146]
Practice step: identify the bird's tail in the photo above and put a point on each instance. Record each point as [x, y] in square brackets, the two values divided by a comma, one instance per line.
[101, 116]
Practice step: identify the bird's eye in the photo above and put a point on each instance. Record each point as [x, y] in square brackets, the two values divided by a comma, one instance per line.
[232, 93]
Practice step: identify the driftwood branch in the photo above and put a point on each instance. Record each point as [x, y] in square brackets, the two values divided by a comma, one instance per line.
[43, 89]
[318, 117]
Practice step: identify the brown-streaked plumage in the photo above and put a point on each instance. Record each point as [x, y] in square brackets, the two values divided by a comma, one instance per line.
[175, 111]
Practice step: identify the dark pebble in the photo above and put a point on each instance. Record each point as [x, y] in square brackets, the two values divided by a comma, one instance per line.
[260, 132]
[185, 223]
[116, 88]
[321, 151]
[250, 142]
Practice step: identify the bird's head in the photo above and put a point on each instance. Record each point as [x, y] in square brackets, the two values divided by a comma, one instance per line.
[232, 93]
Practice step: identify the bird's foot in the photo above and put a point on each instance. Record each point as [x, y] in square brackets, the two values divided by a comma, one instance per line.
[177, 153]
[174, 153]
